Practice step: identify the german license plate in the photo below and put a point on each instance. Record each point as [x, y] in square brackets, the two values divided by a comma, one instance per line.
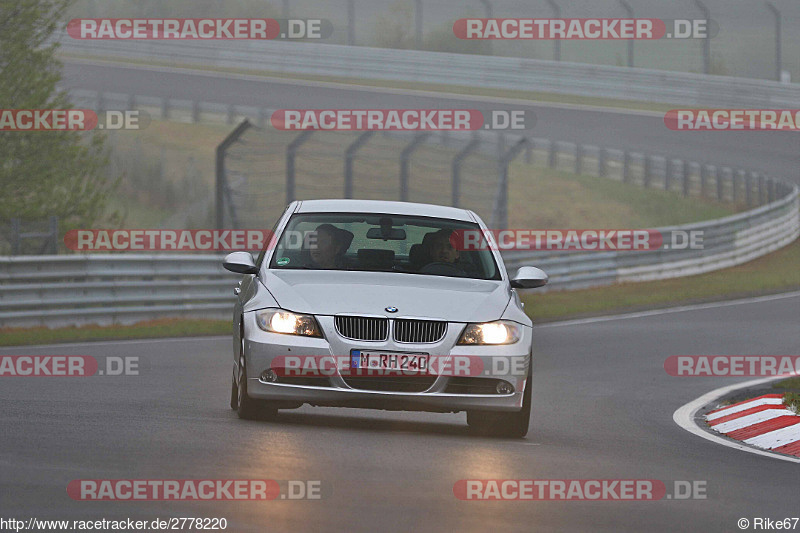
[371, 360]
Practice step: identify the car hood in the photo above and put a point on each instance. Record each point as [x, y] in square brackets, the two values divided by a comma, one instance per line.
[370, 293]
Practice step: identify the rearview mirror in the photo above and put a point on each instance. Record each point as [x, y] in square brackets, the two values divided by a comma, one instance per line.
[387, 234]
[529, 277]
[240, 263]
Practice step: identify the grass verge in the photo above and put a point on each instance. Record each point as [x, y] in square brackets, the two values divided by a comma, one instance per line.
[791, 383]
[791, 398]
[792, 401]
[142, 330]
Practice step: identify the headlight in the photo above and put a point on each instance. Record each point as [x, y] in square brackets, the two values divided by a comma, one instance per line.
[500, 332]
[280, 321]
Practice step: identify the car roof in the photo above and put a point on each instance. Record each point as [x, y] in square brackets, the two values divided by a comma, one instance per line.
[384, 207]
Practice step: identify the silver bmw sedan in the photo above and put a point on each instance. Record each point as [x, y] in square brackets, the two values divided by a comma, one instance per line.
[382, 305]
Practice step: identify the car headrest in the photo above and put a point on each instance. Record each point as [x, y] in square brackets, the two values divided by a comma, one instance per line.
[346, 238]
[416, 255]
[373, 258]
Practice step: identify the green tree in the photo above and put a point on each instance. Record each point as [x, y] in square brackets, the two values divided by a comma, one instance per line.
[44, 173]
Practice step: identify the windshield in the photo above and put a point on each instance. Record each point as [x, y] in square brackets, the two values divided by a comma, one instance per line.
[381, 243]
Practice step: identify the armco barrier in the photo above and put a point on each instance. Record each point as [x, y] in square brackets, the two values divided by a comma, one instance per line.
[578, 79]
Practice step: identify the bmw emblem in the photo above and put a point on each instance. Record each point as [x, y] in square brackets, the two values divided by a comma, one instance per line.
[391, 309]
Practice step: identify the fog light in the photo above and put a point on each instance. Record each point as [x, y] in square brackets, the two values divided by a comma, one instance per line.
[504, 387]
[269, 376]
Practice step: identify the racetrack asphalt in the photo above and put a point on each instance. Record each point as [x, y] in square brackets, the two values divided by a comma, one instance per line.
[602, 409]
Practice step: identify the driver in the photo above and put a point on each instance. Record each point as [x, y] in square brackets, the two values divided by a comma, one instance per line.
[441, 250]
[328, 250]
[444, 257]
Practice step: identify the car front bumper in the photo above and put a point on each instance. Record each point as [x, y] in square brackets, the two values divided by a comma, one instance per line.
[507, 362]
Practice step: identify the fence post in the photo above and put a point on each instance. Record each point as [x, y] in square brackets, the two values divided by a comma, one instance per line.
[686, 178]
[629, 11]
[351, 22]
[556, 42]
[221, 182]
[723, 175]
[703, 180]
[602, 163]
[626, 166]
[552, 156]
[349, 157]
[502, 198]
[714, 171]
[53, 241]
[418, 24]
[578, 158]
[291, 152]
[706, 39]
[15, 238]
[748, 191]
[405, 157]
[262, 117]
[456, 168]
[668, 170]
[737, 178]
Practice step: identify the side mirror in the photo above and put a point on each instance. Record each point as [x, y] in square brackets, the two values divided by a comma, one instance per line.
[240, 263]
[529, 277]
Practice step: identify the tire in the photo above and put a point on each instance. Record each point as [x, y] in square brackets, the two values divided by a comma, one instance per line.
[246, 407]
[234, 392]
[501, 424]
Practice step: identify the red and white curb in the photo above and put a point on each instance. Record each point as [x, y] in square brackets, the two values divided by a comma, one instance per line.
[763, 422]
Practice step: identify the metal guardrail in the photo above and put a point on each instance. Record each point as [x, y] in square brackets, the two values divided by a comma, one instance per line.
[727, 242]
[64, 290]
[453, 69]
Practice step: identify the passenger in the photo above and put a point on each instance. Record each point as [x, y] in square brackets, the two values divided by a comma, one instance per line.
[440, 249]
[327, 250]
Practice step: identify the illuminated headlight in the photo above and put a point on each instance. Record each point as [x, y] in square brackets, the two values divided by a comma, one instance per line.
[500, 332]
[280, 321]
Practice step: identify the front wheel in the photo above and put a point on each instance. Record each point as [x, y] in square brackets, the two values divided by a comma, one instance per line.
[234, 391]
[246, 407]
[510, 425]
